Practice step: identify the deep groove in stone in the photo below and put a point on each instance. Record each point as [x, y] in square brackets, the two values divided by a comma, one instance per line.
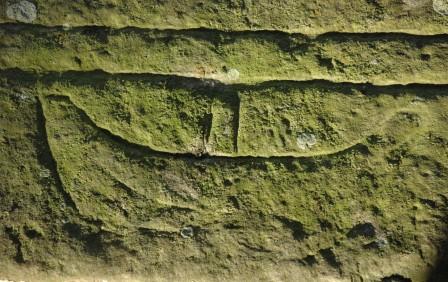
[77, 77]
[328, 34]
[236, 124]
[51, 162]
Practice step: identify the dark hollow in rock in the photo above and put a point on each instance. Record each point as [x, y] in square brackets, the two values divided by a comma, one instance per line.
[309, 260]
[228, 182]
[425, 57]
[329, 256]
[325, 224]
[363, 229]
[296, 227]
[234, 201]
[380, 243]
[32, 233]
[395, 278]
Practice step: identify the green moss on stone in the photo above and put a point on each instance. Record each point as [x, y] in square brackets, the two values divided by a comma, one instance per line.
[240, 57]
[313, 17]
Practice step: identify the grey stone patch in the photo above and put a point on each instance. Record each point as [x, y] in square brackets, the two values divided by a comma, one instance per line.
[66, 27]
[233, 74]
[365, 229]
[44, 173]
[418, 99]
[382, 242]
[23, 11]
[20, 96]
[187, 232]
[440, 6]
[306, 141]
[23, 97]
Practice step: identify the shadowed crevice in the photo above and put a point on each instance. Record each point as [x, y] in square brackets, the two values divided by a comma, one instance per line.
[213, 34]
[440, 270]
[236, 124]
[98, 78]
[47, 157]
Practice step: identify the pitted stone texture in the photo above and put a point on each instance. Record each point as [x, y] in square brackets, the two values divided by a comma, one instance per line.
[23, 11]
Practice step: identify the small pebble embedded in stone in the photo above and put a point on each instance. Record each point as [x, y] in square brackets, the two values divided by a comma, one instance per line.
[187, 232]
[306, 141]
[233, 74]
[440, 6]
[23, 11]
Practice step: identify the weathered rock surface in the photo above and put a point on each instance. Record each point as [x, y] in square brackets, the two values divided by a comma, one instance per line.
[238, 57]
[223, 140]
[310, 17]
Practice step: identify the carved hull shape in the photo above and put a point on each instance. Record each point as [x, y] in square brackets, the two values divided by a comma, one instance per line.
[117, 191]
[188, 116]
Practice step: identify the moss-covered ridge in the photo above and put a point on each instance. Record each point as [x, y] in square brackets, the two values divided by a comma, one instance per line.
[230, 57]
[310, 17]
